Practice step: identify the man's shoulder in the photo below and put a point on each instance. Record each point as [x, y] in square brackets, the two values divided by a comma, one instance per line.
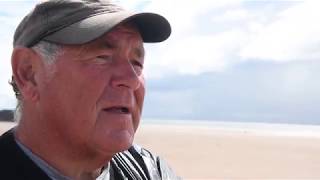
[8, 155]
[8, 151]
[142, 162]
[15, 164]
[143, 152]
[153, 161]
[6, 142]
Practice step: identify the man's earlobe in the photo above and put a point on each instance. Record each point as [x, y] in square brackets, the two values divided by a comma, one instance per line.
[23, 62]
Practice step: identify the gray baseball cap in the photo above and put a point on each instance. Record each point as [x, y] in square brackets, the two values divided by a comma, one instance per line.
[81, 21]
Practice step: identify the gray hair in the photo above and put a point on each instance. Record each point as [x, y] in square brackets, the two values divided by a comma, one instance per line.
[49, 52]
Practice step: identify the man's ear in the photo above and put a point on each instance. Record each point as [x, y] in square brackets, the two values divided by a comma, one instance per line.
[24, 66]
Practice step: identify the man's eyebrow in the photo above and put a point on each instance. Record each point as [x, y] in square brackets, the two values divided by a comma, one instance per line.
[108, 45]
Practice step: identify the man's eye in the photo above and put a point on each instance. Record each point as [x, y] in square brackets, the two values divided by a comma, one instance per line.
[137, 63]
[103, 59]
[138, 67]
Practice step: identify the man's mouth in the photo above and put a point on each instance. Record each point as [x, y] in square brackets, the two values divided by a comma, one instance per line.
[120, 109]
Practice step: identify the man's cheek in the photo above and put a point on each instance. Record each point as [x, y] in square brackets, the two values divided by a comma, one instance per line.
[139, 98]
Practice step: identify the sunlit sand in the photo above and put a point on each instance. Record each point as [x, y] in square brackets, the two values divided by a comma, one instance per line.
[207, 152]
[204, 152]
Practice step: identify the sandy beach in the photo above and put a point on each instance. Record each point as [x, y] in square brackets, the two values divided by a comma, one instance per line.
[206, 152]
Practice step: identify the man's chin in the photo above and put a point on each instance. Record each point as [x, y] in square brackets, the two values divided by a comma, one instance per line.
[120, 142]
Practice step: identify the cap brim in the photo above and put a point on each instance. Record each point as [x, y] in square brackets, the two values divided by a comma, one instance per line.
[152, 27]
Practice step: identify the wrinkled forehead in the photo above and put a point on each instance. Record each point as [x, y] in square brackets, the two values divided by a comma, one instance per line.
[128, 28]
[127, 32]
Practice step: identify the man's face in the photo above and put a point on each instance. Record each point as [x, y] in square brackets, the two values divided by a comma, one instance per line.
[94, 97]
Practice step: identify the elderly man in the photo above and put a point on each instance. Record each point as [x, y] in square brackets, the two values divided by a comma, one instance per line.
[78, 77]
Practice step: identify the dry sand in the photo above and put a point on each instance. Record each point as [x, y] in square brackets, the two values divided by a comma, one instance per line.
[5, 126]
[200, 152]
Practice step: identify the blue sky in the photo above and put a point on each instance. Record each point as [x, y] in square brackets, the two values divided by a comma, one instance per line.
[226, 60]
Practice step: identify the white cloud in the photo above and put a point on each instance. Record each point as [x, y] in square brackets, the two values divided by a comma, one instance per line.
[7, 99]
[11, 13]
[293, 36]
[209, 36]
[195, 54]
[129, 4]
[184, 15]
[188, 51]
[232, 15]
[6, 93]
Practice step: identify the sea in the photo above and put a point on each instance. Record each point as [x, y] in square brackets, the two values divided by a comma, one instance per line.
[277, 129]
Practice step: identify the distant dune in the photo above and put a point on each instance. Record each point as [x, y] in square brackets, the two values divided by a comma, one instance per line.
[6, 115]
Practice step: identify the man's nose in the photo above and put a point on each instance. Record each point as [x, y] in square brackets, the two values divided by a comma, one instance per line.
[125, 76]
